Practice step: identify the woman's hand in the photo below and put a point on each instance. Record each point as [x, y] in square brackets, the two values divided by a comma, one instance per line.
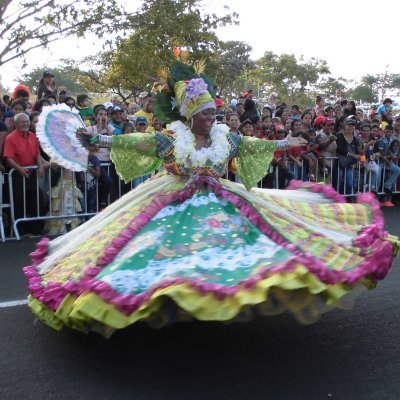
[296, 141]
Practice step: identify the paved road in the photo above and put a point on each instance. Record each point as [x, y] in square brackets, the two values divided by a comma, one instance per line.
[346, 355]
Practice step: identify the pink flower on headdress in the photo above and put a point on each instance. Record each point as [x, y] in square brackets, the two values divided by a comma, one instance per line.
[195, 88]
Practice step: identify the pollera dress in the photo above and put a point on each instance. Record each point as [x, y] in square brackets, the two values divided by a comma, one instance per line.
[187, 244]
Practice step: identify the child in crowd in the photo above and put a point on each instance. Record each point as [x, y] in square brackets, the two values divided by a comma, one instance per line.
[317, 158]
[88, 180]
[65, 200]
[85, 108]
[128, 127]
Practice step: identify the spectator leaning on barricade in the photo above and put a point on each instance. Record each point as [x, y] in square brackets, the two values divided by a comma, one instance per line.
[390, 168]
[103, 153]
[21, 149]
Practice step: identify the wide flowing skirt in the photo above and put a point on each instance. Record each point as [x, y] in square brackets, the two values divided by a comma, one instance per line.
[174, 250]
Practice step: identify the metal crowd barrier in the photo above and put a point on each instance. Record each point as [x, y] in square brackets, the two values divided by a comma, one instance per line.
[43, 201]
[37, 196]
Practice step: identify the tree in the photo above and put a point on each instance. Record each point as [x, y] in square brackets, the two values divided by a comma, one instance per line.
[64, 77]
[328, 85]
[25, 26]
[230, 64]
[380, 84]
[363, 93]
[290, 78]
[159, 26]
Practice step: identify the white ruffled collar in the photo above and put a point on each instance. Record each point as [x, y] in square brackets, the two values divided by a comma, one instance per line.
[185, 150]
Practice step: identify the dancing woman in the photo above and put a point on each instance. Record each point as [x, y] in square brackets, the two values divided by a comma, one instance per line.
[189, 244]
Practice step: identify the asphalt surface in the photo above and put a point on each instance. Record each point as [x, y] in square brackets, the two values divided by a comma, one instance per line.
[346, 355]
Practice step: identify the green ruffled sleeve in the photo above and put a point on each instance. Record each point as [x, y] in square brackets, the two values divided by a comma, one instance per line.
[134, 155]
[253, 159]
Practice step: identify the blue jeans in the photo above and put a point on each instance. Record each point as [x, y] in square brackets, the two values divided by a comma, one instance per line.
[346, 180]
[394, 170]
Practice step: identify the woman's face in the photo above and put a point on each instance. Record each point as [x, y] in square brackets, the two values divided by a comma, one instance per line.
[330, 113]
[248, 130]
[48, 80]
[366, 133]
[266, 113]
[35, 120]
[288, 124]
[349, 129]
[306, 120]
[204, 120]
[234, 121]
[298, 125]
[267, 123]
[101, 117]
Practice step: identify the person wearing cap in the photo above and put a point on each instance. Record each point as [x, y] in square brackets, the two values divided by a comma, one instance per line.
[46, 86]
[347, 151]
[391, 169]
[115, 122]
[141, 124]
[246, 128]
[147, 112]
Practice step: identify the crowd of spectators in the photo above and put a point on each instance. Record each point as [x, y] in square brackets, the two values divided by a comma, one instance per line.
[350, 148]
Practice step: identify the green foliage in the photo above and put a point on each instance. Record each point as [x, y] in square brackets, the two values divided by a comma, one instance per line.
[328, 85]
[230, 63]
[286, 75]
[158, 26]
[25, 26]
[363, 93]
[380, 84]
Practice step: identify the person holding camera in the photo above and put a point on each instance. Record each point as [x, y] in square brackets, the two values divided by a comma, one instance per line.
[103, 154]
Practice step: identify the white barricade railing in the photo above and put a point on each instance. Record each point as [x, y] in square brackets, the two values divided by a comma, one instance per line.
[36, 199]
[33, 201]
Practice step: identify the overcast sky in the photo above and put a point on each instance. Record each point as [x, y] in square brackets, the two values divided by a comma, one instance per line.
[355, 37]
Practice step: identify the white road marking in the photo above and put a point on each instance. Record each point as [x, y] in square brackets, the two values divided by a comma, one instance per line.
[6, 304]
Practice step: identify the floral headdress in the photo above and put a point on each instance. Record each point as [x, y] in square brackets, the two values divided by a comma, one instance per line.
[184, 93]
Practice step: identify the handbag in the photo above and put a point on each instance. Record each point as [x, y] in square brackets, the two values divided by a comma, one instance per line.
[347, 161]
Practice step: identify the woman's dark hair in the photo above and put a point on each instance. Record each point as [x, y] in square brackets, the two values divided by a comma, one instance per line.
[279, 111]
[19, 103]
[98, 108]
[33, 114]
[68, 98]
[126, 125]
[318, 99]
[39, 104]
[347, 112]
[250, 111]
[305, 113]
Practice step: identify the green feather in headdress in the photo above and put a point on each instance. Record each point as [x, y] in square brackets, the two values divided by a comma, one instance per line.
[165, 104]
